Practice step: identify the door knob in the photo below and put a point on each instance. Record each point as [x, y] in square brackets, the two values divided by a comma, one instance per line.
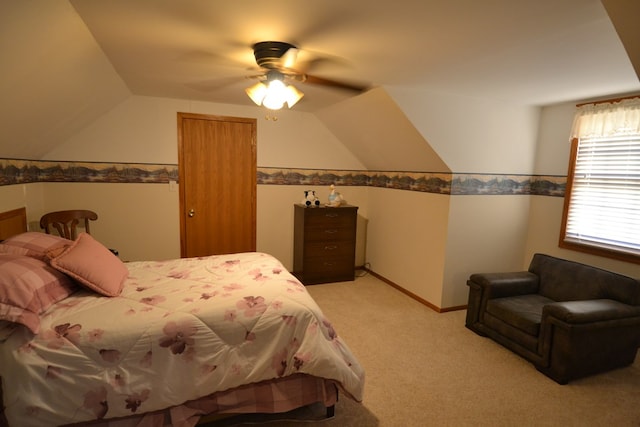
[191, 212]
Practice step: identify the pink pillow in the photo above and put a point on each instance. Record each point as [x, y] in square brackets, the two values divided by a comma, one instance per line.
[93, 265]
[28, 287]
[33, 244]
[15, 250]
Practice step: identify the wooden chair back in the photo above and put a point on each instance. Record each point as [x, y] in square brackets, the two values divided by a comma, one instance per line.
[66, 222]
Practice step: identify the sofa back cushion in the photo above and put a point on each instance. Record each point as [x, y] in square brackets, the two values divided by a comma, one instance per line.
[564, 280]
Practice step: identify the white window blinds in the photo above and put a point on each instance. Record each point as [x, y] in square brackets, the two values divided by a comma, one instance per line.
[604, 208]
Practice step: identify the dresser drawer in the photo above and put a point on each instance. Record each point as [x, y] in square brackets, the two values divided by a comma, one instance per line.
[328, 269]
[343, 249]
[327, 233]
[329, 217]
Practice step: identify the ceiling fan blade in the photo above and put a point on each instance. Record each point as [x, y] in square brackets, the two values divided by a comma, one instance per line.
[307, 78]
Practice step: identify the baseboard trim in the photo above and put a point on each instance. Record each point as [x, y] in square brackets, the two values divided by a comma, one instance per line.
[411, 294]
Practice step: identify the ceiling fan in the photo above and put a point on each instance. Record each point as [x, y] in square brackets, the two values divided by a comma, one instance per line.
[276, 61]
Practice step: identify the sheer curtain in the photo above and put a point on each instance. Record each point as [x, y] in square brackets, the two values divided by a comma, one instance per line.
[607, 119]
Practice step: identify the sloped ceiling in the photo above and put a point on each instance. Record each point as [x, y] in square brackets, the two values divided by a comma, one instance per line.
[65, 63]
[54, 77]
[530, 52]
[625, 14]
[375, 121]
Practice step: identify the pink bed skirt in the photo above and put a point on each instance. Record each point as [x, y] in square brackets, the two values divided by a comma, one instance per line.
[274, 396]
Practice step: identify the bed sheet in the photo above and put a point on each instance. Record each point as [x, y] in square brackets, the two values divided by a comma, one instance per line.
[181, 329]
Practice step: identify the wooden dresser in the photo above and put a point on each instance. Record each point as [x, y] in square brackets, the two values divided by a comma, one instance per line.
[324, 243]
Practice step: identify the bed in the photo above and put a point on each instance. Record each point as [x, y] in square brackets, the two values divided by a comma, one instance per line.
[155, 343]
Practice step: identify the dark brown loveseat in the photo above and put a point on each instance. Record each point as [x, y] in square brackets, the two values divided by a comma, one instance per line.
[569, 319]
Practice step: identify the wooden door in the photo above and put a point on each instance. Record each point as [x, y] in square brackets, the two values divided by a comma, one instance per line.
[217, 172]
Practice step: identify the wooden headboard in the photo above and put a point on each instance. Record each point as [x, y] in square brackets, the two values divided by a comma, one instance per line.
[13, 222]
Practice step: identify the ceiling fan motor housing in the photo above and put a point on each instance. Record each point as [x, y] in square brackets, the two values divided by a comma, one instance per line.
[268, 54]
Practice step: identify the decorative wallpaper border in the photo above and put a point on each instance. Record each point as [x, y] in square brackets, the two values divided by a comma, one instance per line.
[483, 184]
[26, 171]
[427, 182]
[15, 171]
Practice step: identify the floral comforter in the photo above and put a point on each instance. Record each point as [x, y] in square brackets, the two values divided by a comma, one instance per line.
[180, 330]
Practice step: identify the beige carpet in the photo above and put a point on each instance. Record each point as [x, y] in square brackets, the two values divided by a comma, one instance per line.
[427, 369]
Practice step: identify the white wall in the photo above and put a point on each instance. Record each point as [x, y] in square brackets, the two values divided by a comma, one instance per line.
[30, 196]
[553, 146]
[486, 234]
[474, 135]
[406, 239]
[12, 197]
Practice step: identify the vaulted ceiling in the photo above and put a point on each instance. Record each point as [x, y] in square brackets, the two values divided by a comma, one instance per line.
[65, 63]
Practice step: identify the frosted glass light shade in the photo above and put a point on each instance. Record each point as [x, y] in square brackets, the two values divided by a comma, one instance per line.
[275, 95]
[257, 92]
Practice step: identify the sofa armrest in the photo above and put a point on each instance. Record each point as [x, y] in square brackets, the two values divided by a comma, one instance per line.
[498, 285]
[588, 311]
[485, 286]
[584, 337]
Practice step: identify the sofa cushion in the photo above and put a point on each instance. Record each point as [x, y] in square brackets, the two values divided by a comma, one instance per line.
[523, 311]
[564, 280]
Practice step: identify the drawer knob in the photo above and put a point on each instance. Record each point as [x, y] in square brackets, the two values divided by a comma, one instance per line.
[331, 215]
[331, 247]
[331, 231]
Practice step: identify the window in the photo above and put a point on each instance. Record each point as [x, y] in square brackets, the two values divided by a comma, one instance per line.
[602, 200]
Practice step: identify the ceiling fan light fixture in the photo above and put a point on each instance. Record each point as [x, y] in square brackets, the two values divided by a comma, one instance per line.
[257, 92]
[293, 95]
[274, 94]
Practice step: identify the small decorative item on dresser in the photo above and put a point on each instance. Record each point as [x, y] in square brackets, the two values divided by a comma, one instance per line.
[335, 198]
[324, 243]
[310, 198]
